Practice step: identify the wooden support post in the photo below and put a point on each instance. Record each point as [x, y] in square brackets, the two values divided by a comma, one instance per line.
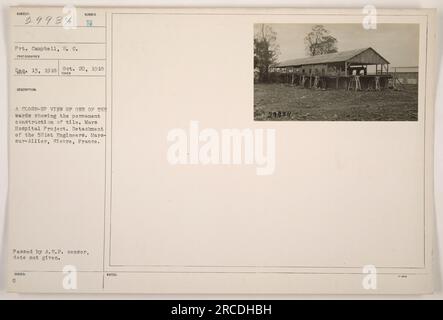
[357, 83]
[336, 82]
[316, 82]
[377, 83]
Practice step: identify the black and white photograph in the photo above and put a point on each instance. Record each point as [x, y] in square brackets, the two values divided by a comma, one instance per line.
[336, 72]
[221, 154]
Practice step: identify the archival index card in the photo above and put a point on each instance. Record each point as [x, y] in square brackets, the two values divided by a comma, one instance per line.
[221, 150]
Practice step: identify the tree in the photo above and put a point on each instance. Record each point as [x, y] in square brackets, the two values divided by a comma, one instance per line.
[266, 50]
[320, 41]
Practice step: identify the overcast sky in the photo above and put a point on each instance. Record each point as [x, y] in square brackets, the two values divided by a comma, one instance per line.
[398, 43]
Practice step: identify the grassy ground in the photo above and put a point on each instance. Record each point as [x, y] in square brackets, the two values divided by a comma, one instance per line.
[284, 102]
